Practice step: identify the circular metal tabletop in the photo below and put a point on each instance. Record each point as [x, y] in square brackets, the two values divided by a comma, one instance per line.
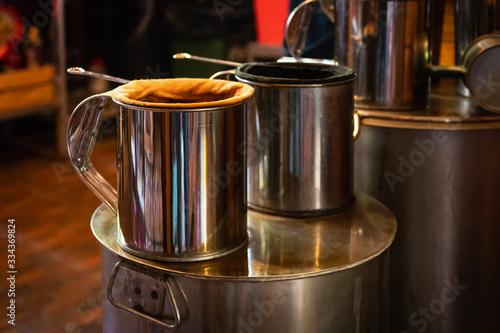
[282, 248]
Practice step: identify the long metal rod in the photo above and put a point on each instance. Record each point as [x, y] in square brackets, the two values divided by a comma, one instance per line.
[81, 71]
[215, 61]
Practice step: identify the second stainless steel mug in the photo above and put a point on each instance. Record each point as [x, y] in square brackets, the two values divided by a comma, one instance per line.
[300, 138]
[181, 165]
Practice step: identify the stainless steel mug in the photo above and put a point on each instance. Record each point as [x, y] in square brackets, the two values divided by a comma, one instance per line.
[386, 43]
[300, 138]
[181, 165]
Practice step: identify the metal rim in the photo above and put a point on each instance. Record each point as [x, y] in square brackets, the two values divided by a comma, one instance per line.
[186, 257]
[331, 74]
[253, 263]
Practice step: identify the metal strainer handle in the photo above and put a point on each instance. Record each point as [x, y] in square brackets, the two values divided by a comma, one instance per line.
[81, 137]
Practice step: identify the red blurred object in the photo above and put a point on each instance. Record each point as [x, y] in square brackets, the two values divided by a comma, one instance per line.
[11, 30]
[270, 20]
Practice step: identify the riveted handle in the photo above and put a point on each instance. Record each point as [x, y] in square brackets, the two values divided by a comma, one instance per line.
[163, 278]
[81, 137]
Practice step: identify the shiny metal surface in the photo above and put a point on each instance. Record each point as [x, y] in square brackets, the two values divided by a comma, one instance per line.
[181, 177]
[353, 300]
[182, 182]
[439, 177]
[446, 109]
[281, 248]
[81, 71]
[295, 275]
[386, 43]
[184, 55]
[473, 18]
[300, 138]
[296, 28]
[483, 71]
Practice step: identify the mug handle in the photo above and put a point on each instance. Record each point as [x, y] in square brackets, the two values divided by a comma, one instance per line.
[81, 136]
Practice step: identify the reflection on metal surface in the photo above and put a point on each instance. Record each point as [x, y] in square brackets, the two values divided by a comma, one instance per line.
[211, 60]
[438, 174]
[445, 108]
[386, 43]
[342, 301]
[295, 275]
[473, 18]
[328, 8]
[181, 182]
[81, 71]
[283, 248]
[482, 78]
[300, 137]
[181, 171]
[296, 28]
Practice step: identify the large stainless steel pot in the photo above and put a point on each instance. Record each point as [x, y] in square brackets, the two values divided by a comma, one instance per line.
[436, 169]
[300, 138]
[295, 275]
[181, 165]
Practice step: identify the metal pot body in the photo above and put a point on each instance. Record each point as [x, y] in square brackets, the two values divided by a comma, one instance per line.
[347, 301]
[321, 274]
[386, 43]
[441, 181]
[300, 145]
[181, 182]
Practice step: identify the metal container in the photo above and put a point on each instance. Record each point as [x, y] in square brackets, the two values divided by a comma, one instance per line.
[436, 169]
[387, 45]
[300, 138]
[482, 76]
[181, 166]
[473, 18]
[295, 275]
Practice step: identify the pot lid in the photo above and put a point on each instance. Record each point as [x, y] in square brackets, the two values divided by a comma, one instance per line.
[281, 248]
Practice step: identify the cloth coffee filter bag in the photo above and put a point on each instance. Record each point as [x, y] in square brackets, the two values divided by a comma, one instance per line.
[182, 93]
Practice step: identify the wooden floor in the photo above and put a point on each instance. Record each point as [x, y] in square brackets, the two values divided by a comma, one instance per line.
[57, 287]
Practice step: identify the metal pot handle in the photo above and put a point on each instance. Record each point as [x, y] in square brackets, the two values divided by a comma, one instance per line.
[81, 136]
[221, 75]
[298, 23]
[163, 278]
